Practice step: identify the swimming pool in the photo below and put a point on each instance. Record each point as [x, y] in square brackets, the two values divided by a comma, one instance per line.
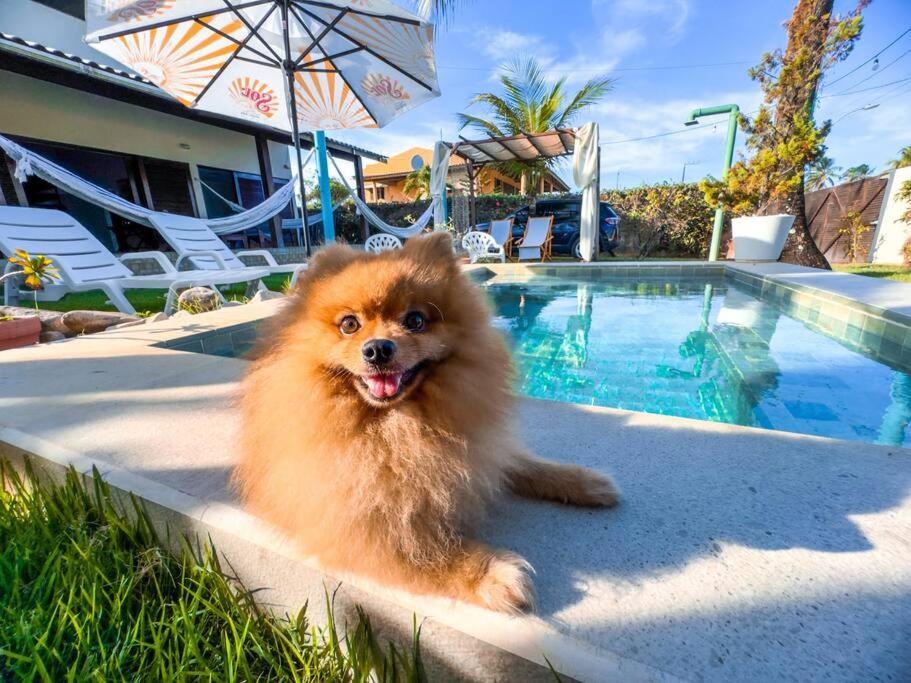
[702, 343]
[703, 348]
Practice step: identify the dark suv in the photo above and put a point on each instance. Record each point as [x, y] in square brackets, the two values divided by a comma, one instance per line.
[566, 224]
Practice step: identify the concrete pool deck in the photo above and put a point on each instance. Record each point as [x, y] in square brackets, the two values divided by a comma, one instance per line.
[737, 554]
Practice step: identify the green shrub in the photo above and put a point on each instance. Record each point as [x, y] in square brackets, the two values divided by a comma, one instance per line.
[670, 217]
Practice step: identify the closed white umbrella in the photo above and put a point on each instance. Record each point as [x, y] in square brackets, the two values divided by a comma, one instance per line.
[349, 64]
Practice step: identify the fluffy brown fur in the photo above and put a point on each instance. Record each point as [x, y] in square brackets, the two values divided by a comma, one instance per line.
[385, 485]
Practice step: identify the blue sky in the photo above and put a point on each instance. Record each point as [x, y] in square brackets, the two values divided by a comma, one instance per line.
[636, 41]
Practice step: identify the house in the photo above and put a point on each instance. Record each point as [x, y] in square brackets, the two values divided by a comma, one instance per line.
[385, 182]
[115, 128]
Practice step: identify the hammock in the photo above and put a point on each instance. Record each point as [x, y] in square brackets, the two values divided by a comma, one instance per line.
[441, 155]
[28, 163]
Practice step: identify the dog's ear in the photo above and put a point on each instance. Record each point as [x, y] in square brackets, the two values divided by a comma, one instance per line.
[331, 260]
[433, 249]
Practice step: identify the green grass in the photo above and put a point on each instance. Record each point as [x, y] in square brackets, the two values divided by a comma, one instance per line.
[888, 272]
[88, 593]
[145, 301]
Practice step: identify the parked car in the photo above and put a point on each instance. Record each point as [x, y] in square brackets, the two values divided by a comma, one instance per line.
[566, 213]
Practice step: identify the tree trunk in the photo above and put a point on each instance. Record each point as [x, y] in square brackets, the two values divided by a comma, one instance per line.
[800, 247]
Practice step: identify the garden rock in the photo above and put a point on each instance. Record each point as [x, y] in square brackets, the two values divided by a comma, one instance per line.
[198, 300]
[51, 321]
[51, 336]
[89, 322]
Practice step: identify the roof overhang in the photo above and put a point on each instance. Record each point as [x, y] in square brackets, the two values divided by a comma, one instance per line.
[47, 64]
[523, 148]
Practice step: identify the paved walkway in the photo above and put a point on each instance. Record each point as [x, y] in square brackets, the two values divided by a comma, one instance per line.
[737, 554]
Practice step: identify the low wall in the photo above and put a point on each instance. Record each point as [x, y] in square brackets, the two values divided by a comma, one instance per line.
[891, 231]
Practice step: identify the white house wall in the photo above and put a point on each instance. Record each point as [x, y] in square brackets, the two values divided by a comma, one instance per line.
[891, 231]
[47, 26]
[46, 111]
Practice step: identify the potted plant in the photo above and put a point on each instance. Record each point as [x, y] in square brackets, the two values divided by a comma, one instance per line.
[760, 238]
[16, 332]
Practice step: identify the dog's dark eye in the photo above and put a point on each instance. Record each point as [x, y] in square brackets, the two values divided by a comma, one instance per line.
[349, 325]
[415, 321]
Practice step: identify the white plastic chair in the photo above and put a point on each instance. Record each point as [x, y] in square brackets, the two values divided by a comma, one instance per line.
[480, 245]
[536, 242]
[85, 264]
[382, 242]
[501, 231]
[193, 240]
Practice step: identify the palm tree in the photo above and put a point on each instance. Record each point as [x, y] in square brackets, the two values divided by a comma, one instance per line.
[531, 104]
[823, 174]
[417, 183]
[904, 158]
[438, 10]
[858, 172]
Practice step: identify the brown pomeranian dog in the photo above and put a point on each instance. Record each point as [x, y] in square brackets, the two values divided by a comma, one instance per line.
[375, 426]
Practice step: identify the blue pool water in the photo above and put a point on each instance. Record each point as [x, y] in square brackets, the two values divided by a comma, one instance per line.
[697, 349]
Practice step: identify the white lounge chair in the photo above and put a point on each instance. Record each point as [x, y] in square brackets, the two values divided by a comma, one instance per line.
[481, 245]
[382, 242]
[501, 231]
[536, 242]
[85, 264]
[193, 240]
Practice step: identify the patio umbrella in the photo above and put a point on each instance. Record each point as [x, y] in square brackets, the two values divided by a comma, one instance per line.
[349, 64]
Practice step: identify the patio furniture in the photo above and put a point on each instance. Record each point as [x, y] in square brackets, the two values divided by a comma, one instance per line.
[193, 240]
[501, 231]
[382, 242]
[85, 264]
[480, 245]
[536, 242]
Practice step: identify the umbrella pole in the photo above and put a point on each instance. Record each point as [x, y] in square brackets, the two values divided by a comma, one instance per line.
[288, 68]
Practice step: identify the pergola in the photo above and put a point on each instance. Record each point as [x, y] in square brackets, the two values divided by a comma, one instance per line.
[525, 147]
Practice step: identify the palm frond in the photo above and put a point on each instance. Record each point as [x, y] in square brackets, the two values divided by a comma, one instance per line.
[483, 125]
[590, 93]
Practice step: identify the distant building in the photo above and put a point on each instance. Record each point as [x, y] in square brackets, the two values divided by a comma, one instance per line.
[115, 128]
[385, 182]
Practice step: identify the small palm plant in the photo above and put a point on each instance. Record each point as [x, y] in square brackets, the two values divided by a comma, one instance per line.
[417, 184]
[35, 270]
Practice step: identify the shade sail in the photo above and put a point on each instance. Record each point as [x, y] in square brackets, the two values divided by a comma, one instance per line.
[355, 64]
[525, 147]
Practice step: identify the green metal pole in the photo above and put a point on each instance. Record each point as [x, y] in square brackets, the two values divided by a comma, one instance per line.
[733, 112]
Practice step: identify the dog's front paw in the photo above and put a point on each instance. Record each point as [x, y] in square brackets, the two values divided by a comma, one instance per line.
[507, 586]
[593, 489]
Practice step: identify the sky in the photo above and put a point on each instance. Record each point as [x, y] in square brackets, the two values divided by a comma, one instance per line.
[667, 57]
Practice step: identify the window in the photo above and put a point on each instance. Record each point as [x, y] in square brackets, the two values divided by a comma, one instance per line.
[218, 186]
[110, 171]
[380, 194]
[75, 8]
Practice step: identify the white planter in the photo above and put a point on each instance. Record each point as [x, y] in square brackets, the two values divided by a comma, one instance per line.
[760, 238]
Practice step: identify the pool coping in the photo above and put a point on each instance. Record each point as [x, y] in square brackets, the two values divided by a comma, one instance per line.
[499, 643]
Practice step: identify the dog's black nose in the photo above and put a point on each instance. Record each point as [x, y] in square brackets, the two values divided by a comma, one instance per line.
[378, 351]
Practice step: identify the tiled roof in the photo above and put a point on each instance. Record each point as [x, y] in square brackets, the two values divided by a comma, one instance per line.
[399, 165]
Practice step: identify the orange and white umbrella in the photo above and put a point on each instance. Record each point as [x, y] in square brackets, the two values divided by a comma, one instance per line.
[353, 64]
[288, 64]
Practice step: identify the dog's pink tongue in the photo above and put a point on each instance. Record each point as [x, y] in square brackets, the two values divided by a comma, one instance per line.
[384, 386]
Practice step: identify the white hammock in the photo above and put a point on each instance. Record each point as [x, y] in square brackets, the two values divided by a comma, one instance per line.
[441, 155]
[28, 163]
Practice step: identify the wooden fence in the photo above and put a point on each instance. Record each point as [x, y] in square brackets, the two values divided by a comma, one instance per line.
[826, 216]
